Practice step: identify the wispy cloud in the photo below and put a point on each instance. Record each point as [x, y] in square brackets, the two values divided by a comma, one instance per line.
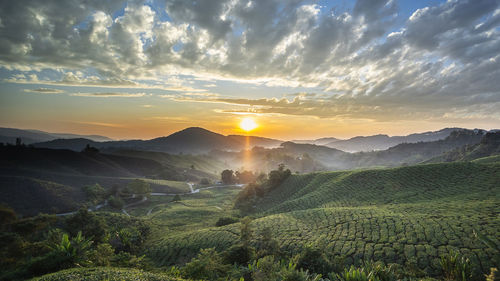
[101, 124]
[44, 91]
[111, 95]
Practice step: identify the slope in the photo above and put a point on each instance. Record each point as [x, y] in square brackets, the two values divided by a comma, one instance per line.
[408, 215]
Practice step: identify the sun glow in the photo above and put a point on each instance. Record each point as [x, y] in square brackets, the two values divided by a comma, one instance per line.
[248, 124]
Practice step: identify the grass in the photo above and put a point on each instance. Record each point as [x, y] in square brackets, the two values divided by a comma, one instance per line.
[104, 273]
[411, 216]
[488, 160]
[171, 186]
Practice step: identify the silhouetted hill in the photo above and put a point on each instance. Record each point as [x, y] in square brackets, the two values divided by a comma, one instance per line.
[382, 142]
[9, 135]
[193, 140]
[71, 162]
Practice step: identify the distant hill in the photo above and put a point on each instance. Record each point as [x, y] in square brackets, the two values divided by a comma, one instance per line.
[256, 141]
[321, 141]
[310, 157]
[488, 146]
[9, 135]
[192, 140]
[382, 142]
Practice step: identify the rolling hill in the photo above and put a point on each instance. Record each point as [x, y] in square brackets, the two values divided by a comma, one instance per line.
[310, 157]
[382, 142]
[193, 140]
[409, 215]
[9, 135]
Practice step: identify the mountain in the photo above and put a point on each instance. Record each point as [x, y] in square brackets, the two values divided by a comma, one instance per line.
[382, 142]
[309, 157]
[193, 140]
[488, 146]
[321, 141]
[256, 141]
[9, 135]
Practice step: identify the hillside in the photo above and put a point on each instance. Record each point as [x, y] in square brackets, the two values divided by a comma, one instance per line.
[34, 180]
[488, 146]
[9, 135]
[193, 140]
[309, 157]
[408, 215]
[382, 142]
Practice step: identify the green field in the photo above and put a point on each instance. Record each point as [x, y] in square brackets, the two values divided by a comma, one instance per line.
[409, 215]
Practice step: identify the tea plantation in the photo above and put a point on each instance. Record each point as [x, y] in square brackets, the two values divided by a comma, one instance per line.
[409, 215]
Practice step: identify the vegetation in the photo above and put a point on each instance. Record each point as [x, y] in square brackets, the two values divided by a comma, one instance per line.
[408, 223]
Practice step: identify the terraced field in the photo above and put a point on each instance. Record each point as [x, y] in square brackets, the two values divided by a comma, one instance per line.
[410, 215]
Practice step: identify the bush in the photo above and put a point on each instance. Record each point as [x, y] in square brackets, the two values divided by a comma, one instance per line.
[116, 202]
[94, 193]
[225, 221]
[239, 254]
[208, 265]
[314, 260]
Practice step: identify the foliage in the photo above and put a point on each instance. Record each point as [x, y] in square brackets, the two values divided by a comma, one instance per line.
[116, 202]
[94, 193]
[138, 186]
[314, 260]
[88, 223]
[456, 267]
[225, 221]
[105, 273]
[245, 176]
[227, 177]
[240, 254]
[207, 265]
[176, 198]
[102, 255]
[276, 177]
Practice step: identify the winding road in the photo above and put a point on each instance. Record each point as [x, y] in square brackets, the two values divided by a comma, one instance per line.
[144, 198]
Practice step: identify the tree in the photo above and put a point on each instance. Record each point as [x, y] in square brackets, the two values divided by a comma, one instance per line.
[90, 149]
[245, 177]
[176, 198]
[208, 265]
[94, 192]
[227, 176]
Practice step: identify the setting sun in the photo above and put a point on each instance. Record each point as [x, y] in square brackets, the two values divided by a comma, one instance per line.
[248, 124]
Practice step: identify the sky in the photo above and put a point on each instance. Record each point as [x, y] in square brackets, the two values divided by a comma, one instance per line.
[300, 69]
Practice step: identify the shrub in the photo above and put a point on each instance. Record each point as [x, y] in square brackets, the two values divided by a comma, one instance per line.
[239, 254]
[314, 260]
[225, 221]
[102, 255]
[116, 202]
[208, 265]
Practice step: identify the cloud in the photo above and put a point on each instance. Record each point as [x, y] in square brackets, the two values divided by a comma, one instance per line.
[369, 60]
[111, 95]
[101, 124]
[44, 91]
